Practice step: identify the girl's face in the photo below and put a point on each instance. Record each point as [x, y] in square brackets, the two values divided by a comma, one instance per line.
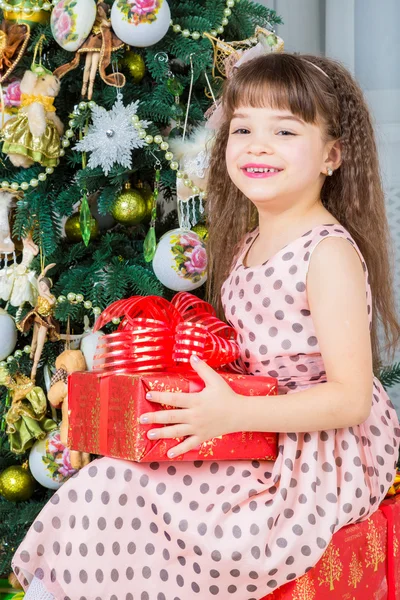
[274, 156]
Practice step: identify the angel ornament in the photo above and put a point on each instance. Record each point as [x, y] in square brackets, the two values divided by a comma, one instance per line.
[18, 282]
[42, 320]
[98, 47]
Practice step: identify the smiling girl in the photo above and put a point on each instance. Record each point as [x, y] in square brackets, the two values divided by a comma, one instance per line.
[305, 290]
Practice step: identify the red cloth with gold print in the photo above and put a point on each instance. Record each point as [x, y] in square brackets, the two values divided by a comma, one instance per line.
[104, 413]
[362, 562]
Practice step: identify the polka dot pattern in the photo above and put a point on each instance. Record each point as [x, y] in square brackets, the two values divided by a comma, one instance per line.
[212, 529]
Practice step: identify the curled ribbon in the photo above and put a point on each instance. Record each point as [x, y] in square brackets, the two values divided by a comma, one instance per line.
[155, 335]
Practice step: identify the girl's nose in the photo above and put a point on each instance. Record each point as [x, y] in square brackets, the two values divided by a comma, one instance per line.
[260, 145]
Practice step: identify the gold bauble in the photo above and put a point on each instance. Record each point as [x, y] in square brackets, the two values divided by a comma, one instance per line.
[147, 194]
[129, 207]
[16, 484]
[201, 231]
[73, 228]
[135, 65]
[20, 16]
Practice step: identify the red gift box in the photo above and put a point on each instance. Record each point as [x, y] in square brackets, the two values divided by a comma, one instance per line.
[104, 411]
[353, 567]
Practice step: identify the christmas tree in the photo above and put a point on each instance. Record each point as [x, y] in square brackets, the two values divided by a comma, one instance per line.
[83, 196]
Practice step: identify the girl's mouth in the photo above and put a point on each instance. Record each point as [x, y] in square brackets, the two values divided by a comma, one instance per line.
[260, 172]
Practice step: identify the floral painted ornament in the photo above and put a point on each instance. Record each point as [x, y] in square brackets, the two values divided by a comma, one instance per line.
[140, 23]
[72, 21]
[50, 462]
[180, 261]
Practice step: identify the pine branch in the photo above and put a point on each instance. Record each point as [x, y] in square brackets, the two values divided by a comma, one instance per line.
[390, 376]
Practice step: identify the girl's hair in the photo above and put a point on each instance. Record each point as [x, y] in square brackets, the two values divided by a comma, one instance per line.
[353, 194]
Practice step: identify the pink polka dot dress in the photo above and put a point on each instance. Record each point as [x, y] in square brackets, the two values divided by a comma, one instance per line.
[178, 531]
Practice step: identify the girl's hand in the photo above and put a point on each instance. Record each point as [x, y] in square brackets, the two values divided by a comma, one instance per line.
[202, 416]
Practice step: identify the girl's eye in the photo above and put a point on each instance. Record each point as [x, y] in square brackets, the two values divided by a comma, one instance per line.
[240, 130]
[285, 132]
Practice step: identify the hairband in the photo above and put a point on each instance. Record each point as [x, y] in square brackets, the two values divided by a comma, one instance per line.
[317, 67]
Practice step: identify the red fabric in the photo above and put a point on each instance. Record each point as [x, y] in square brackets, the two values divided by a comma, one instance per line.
[104, 413]
[391, 509]
[362, 562]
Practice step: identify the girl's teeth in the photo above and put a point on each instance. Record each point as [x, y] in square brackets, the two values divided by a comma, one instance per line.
[258, 170]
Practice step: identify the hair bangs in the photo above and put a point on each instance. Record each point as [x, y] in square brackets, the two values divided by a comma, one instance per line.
[274, 81]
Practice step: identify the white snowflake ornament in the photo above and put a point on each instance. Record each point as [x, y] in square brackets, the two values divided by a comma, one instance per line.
[112, 136]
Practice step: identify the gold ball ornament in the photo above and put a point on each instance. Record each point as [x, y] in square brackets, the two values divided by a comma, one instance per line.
[129, 207]
[147, 194]
[20, 12]
[16, 484]
[73, 229]
[201, 231]
[134, 63]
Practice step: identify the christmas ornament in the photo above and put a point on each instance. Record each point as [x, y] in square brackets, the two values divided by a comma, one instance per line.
[12, 94]
[18, 282]
[147, 194]
[34, 134]
[71, 22]
[141, 23]
[112, 136]
[129, 207]
[135, 65]
[8, 334]
[85, 220]
[150, 242]
[14, 40]
[180, 260]
[6, 244]
[98, 47]
[41, 319]
[49, 461]
[30, 12]
[193, 154]
[26, 420]
[73, 230]
[201, 230]
[16, 484]
[88, 346]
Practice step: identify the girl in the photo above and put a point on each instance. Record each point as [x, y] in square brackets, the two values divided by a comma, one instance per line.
[297, 147]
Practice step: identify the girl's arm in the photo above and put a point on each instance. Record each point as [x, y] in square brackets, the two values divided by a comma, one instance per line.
[337, 297]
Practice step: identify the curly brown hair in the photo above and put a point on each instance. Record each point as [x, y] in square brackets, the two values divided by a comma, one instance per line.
[353, 195]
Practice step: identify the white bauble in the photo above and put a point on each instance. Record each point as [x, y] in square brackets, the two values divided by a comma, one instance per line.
[88, 347]
[49, 461]
[8, 334]
[72, 21]
[141, 24]
[180, 261]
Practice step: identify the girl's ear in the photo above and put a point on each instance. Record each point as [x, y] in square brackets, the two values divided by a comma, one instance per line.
[333, 156]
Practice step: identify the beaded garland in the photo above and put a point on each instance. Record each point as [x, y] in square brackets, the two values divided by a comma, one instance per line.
[195, 35]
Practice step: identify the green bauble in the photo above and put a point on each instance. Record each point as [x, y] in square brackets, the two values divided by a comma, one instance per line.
[73, 229]
[129, 207]
[134, 63]
[16, 484]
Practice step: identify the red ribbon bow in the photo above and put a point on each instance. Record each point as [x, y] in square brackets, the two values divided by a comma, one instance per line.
[155, 335]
